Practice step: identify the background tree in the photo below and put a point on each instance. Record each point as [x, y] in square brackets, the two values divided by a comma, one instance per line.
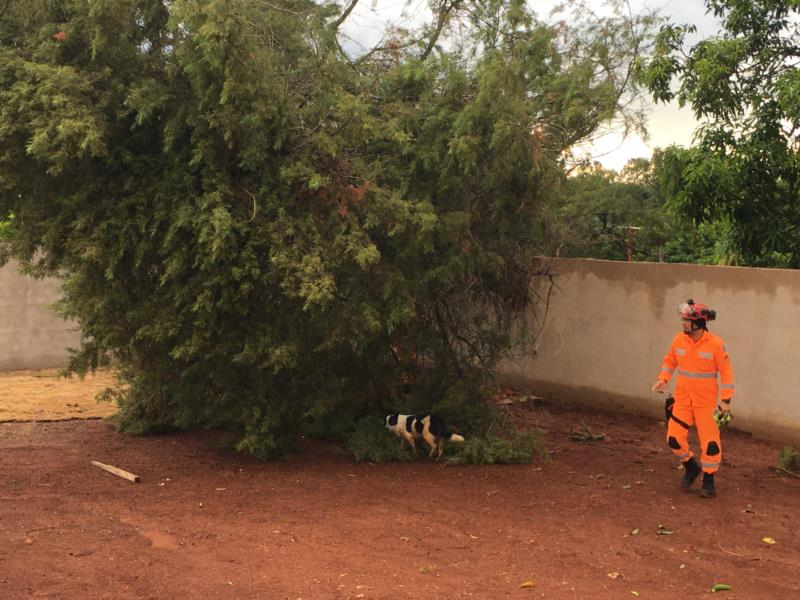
[604, 214]
[742, 174]
[266, 232]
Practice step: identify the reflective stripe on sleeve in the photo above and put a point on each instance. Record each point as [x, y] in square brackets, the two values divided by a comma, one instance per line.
[726, 386]
[697, 375]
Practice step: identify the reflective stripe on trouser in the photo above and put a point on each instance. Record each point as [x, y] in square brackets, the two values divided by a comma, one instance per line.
[707, 431]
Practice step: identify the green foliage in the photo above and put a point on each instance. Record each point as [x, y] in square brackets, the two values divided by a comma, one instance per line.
[602, 214]
[263, 230]
[464, 406]
[520, 447]
[790, 459]
[743, 84]
[371, 441]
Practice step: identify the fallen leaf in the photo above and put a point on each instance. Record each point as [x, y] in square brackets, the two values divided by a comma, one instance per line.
[721, 587]
[527, 584]
[663, 530]
[229, 582]
[28, 541]
[220, 489]
[614, 575]
[635, 593]
[626, 487]
[768, 540]
[635, 531]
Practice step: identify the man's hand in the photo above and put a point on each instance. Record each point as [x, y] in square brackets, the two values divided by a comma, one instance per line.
[659, 386]
[723, 414]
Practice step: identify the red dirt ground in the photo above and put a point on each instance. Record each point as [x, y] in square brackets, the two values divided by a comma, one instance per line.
[205, 522]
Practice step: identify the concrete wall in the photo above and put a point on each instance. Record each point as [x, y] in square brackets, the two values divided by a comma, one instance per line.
[610, 324]
[31, 335]
[606, 332]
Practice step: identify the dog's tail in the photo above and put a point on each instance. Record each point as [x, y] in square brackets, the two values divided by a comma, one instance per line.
[454, 437]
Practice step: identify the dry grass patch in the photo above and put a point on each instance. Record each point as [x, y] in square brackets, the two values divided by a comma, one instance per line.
[43, 395]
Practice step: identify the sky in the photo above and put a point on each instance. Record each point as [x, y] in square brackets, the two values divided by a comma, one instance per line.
[666, 124]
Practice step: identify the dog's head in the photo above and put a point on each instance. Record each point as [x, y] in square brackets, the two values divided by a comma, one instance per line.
[391, 422]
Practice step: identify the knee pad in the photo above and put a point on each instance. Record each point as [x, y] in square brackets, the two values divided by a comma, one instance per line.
[673, 443]
[712, 449]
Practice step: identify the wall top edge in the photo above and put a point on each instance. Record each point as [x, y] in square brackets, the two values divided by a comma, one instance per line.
[600, 262]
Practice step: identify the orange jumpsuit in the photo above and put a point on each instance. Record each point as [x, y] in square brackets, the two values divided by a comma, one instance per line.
[697, 366]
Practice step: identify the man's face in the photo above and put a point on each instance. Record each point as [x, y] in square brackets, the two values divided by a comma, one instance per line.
[687, 325]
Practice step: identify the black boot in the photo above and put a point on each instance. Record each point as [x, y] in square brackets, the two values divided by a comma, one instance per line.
[708, 490]
[690, 472]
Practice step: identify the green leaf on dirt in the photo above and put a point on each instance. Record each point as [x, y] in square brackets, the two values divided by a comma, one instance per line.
[721, 587]
[527, 584]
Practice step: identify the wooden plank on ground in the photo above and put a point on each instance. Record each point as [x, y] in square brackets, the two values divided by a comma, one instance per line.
[116, 471]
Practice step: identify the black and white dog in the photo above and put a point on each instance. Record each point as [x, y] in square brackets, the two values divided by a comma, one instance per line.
[430, 428]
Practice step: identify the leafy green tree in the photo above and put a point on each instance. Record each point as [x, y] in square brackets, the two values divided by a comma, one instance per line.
[610, 215]
[743, 172]
[602, 214]
[263, 230]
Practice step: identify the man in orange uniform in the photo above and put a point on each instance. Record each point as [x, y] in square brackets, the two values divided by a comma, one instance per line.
[697, 357]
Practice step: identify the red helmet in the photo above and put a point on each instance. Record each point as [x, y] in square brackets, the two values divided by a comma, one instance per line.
[694, 311]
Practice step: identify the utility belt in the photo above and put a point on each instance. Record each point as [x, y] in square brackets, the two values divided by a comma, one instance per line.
[668, 404]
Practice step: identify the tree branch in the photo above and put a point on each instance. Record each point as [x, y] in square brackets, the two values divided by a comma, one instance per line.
[278, 8]
[344, 15]
[446, 10]
[3, 10]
